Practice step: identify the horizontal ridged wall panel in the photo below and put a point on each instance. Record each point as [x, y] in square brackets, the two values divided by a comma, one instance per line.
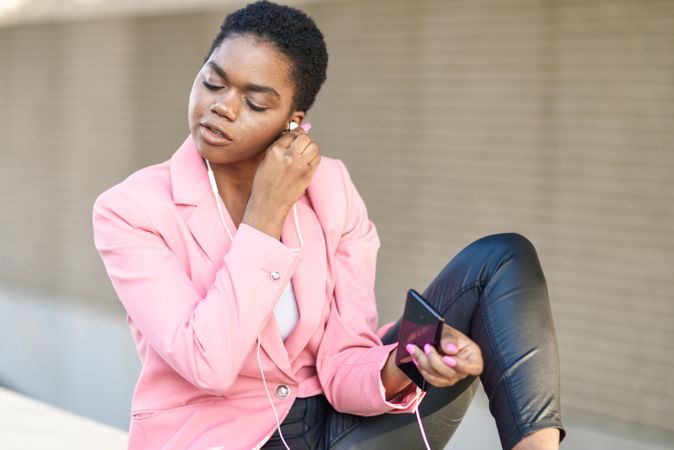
[459, 119]
[455, 118]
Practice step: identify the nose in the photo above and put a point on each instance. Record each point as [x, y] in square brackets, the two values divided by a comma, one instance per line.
[226, 105]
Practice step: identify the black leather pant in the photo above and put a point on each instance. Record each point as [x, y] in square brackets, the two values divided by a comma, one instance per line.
[493, 291]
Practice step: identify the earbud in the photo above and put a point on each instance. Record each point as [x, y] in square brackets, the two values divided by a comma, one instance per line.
[292, 125]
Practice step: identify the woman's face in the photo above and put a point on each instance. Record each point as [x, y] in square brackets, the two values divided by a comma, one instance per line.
[241, 101]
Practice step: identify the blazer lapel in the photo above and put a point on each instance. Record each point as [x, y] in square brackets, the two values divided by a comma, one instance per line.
[309, 277]
[191, 189]
[306, 286]
[207, 229]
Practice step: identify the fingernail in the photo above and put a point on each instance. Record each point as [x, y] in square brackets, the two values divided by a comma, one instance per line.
[428, 348]
[452, 348]
[415, 362]
[306, 126]
[409, 348]
[451, 362]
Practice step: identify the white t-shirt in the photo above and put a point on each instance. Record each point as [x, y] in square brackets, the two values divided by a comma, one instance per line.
[286, 311]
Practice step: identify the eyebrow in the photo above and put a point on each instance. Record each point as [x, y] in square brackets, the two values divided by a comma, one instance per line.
[250, 86]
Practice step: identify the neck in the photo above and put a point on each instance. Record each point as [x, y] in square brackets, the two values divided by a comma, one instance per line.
[235, 185]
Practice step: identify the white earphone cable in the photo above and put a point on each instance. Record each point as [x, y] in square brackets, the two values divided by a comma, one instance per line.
[421, 425]
[218, 201]
[266, 389]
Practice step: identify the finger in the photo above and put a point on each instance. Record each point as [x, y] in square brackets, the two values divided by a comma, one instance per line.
[449, 343]
[441, 366]
[439, 381]
[436, 375]
[302, 141]
[287, 138]
[315, 160]
[467, 367]
[306, 126]
[462, 341]
[418, 357]
[426, 370]
[302, 129]
[299, 130]
[310, 150]
[449, 346]
[471, 364]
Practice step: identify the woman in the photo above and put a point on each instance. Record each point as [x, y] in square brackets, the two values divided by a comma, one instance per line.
[246, 265]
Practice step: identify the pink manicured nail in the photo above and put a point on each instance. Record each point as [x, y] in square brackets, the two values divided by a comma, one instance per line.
[452, 348]
[428, 348]
[451, 362]
[415, 362]
[306, 126]
[409, 348]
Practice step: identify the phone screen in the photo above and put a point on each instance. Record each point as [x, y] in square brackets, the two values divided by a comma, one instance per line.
[421, 324]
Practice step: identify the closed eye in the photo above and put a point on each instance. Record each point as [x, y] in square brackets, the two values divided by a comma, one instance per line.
[211, 87]
[255, 107]
[251, 105]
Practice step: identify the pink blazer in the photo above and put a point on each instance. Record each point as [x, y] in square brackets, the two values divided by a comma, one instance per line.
[197, 302]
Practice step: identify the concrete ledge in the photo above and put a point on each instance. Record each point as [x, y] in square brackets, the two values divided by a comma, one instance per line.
[27, 424]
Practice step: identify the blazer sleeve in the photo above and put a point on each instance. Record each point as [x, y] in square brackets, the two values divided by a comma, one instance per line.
[204, 339]
[351, 356]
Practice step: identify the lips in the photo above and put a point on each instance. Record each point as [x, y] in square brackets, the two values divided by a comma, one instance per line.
[215, 134]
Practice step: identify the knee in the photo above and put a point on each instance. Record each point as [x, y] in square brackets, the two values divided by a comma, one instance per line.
[510, 244]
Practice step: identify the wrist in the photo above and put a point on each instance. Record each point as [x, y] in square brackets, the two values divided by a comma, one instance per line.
[393, 379]
[265, 219]
[266, 206]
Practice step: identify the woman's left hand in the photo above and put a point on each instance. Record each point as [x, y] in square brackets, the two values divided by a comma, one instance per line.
[457, 358]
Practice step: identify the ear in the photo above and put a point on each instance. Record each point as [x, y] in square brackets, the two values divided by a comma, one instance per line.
[297, 117]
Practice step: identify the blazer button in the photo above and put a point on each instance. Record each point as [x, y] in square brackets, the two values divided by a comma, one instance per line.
[282, 391]
[275, 275]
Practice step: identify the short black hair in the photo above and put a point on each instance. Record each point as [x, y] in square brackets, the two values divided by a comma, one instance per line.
[292, 32]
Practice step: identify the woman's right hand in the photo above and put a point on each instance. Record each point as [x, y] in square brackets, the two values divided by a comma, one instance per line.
[281, 179]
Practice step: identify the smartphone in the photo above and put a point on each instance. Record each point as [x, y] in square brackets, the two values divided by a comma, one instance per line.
[421, 324]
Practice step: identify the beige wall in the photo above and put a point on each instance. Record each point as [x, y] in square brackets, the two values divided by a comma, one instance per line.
[456, 119]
